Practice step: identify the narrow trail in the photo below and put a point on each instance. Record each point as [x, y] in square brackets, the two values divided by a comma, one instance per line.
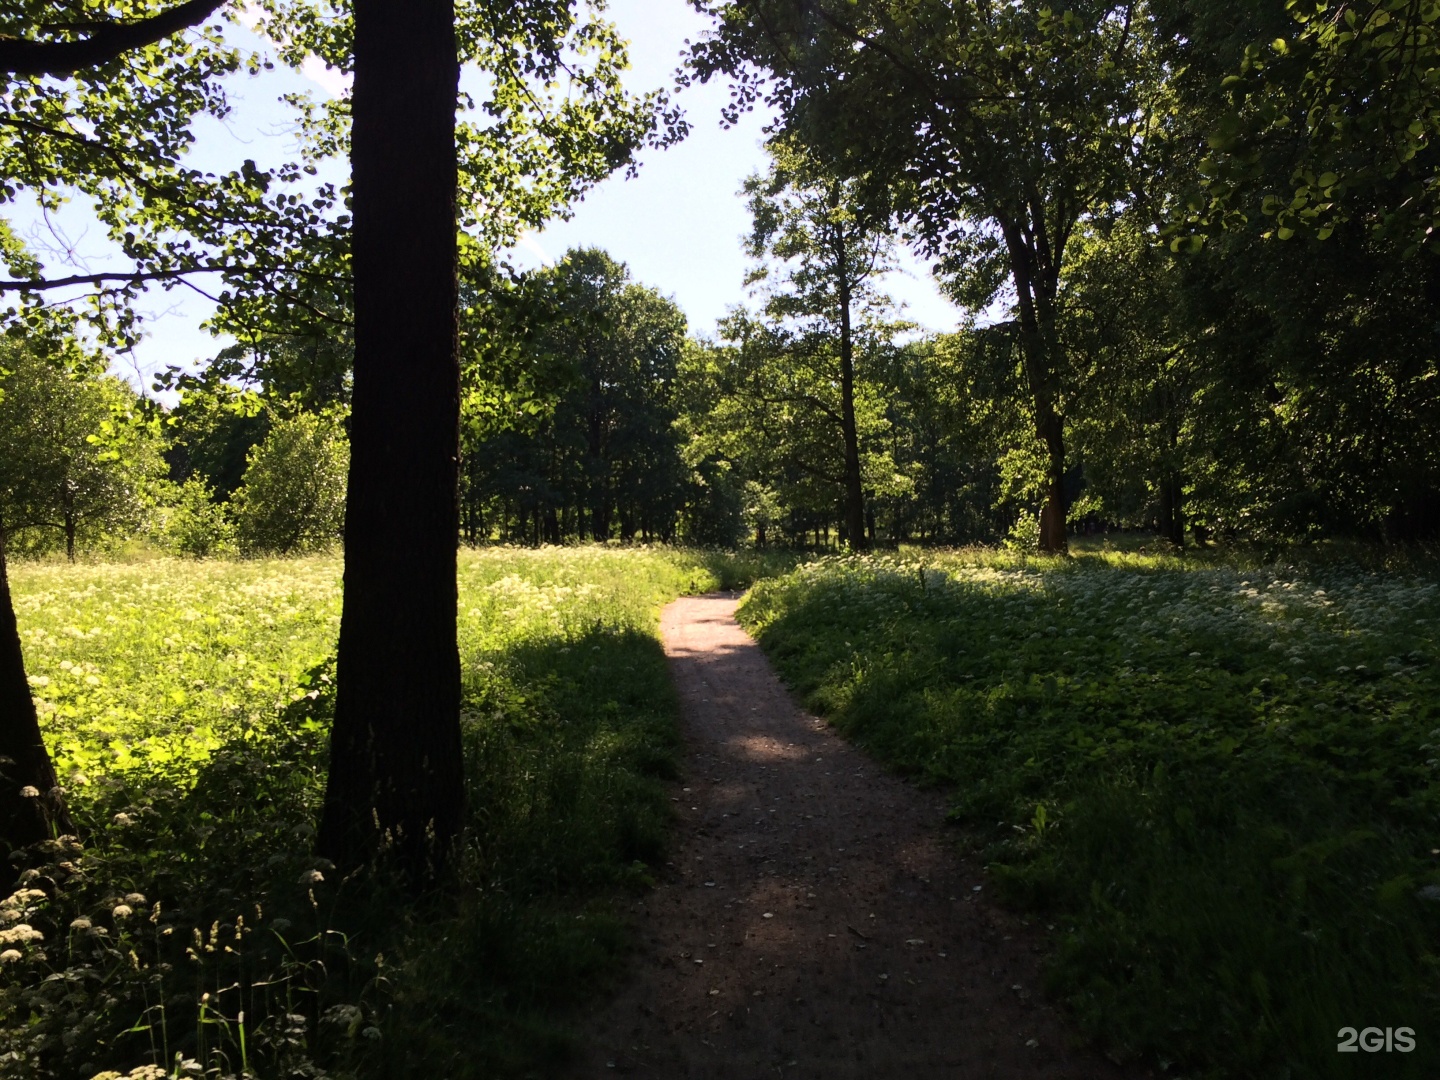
[814, 922]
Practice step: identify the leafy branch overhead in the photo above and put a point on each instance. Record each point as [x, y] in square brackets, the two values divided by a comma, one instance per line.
[70, 46]
[1330, 120]
[269, 240]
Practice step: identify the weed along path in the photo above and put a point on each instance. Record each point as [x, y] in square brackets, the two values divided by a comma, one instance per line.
[813, 921]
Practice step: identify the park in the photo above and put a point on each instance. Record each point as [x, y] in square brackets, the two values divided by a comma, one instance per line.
[798, 538]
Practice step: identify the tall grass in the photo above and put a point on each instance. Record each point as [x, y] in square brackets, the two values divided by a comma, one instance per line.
[1217, 780]
[188, 705]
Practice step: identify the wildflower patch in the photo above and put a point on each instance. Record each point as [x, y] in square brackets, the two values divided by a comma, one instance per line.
[187, 705]
[1220, 785]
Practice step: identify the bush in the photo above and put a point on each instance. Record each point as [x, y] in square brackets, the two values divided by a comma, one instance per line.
[195, 524]
[293, 497]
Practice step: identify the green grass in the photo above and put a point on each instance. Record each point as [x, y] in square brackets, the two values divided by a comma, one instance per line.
[1215, 780]
[187, 705]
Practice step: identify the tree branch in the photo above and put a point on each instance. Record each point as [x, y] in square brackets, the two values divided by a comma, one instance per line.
[129, 277]
[22, 56]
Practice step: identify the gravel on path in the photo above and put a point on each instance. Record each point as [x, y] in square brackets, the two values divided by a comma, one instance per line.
[814, 920]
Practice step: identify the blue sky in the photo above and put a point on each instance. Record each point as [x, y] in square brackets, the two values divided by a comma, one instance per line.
[677, 225]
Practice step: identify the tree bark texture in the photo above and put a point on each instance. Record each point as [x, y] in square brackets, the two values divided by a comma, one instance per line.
[396, 786]
[25, 765]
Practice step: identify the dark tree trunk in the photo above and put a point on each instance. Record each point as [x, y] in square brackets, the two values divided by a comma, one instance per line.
[24, 763]
[396, 787]
[69, 514]
[1036, 289]
[854, 491]
[1051, 429]
[597, 467]
[1172, 508]
[1172, 496]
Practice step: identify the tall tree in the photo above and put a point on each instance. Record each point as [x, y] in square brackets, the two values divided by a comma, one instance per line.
[556, 119]
[76, 455]
[999, 126]
[569, 406]
[395, 767]
[30, 800]
[821, 246]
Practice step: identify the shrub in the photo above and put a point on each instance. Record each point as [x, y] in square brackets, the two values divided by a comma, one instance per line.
[195, 524]
[293, 497]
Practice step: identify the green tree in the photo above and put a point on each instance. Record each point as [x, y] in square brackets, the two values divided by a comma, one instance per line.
[1331, 117]
[997, 127]
[210, 431]
[76, 457]
[820, 248]
[766, 402]
[588, 447]
[80, 84]
[555, 120]
[293, 495]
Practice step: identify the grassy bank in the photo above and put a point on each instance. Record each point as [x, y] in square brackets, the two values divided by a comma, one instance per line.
[1216, 784]
[187, 705]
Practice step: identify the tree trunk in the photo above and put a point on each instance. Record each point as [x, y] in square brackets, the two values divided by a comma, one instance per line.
[854, 491]
[396, 786]
[1172, 508]
[24, 763]
[1051, 429]
[69, 512]
[1039, 348]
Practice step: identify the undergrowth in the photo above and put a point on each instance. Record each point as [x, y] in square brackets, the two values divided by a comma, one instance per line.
[1217, 782]
[190, 931]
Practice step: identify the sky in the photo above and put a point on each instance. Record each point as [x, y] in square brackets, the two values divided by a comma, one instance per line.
[677, 225]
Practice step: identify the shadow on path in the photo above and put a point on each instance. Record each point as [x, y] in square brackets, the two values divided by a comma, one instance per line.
[814, 922]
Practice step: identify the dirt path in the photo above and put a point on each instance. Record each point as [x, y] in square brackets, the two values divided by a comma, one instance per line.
[814, 921]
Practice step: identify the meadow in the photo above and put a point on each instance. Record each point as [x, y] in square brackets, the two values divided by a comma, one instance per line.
[1212, 782]
[187, 704]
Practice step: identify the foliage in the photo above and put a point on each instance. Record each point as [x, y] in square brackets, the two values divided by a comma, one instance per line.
[277, 241]
[211, 430]
[993, 130]
[587, 361]
[293, 496]
[195, 524]
[1218, 782]
[77, 456]
[819, 247]
[188, 705]
[117, 134]
[1332, 121]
